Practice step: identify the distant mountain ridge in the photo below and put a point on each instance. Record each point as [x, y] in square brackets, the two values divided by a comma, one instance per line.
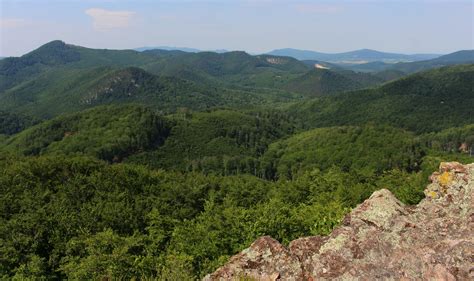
[459, 57]
[59, 77]
[363, 55]
[183, 49]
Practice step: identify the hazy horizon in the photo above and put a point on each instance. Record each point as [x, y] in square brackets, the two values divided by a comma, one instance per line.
[254, 26]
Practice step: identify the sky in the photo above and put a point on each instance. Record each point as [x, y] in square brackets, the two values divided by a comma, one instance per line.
[255, 26]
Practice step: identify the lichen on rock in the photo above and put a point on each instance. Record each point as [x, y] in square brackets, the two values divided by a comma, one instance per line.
[380, 239]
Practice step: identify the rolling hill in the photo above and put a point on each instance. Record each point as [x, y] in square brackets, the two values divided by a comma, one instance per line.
[58, 78]
[56, 54]
[368, 148]
[109, 133]
[61, 91]
[319, 82]
[233, 141]
[460, 57]
[363, 55]
[427, 101]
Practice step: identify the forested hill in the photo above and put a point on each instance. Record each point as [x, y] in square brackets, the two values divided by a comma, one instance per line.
[428, 101]
[11, 123]
[59, 54]
[59, 91]
[321, 82]
[59, 78]
[109, 133]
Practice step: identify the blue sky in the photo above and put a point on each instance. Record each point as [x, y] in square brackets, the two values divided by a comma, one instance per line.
[406, 26]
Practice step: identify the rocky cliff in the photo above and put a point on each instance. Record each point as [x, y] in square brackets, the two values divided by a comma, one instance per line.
[380, 239]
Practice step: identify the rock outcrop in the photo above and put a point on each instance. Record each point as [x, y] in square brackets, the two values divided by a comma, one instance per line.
[380, 239]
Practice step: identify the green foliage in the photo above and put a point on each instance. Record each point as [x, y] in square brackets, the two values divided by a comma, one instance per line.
[452, 140]
[60, 78]
[109, 133]
[194, 188]
[104, 255]
[424, 102]
[11, 123]
[15, 70]
[318, 82]
[80, 218]
[64, 91]
[363, 149]
[223, 141]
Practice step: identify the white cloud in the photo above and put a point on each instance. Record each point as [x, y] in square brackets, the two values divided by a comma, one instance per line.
[107, 19]
[13, 23]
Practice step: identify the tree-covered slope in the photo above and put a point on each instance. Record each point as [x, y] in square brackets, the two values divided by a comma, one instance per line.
[234, 69]
[58, 78]
[225, 64]
[11, 123]
[423, 102]
[321, 82]
[108, 132]
[210, 66]
[57, 54]
[452, 140]
[14, 70]
[318, 82]
[62, 91]
[80, 218]
[223, 141]
[362, 149]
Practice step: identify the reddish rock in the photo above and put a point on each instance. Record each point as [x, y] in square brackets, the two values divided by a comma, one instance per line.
[452, 167]
[265, 259]
[380, 239]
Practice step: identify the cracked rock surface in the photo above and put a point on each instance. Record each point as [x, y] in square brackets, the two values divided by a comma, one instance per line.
[380, 239]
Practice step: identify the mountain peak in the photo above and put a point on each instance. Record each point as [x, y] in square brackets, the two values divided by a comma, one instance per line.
[53, 53]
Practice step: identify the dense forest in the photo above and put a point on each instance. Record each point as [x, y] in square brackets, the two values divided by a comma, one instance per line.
[163, 164]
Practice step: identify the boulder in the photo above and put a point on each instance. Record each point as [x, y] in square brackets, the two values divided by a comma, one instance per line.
[380, 239]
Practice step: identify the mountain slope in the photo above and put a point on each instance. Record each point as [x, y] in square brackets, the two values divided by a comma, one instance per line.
[61, 91]
[319, 82]
[11, 123]
[367, 148]
[221, 141]
[58, 77]
[236, 69]
[57, 54]
[109, 133]
[423, 102]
